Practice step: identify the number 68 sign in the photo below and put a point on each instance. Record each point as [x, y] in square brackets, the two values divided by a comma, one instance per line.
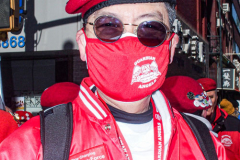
[13, 42]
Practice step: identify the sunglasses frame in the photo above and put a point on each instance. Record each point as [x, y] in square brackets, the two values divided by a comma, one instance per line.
[123, 24]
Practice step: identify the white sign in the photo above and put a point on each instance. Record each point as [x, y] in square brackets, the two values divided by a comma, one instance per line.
[47, 27]
[18, 103]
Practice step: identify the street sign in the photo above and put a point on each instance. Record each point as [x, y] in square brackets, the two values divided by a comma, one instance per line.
[229, 79]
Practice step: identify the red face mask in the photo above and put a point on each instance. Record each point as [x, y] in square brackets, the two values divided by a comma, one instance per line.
[126, 70]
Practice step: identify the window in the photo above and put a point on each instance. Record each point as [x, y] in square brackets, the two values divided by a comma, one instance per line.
[235, 47]
[236, 18]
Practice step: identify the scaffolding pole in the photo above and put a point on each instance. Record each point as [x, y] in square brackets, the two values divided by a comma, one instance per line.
[220, 48]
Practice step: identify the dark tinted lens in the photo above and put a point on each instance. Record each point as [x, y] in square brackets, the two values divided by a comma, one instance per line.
[108, 29]
[151, 33]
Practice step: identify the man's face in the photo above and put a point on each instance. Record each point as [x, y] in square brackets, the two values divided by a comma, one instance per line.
[213, 95]
[131, 13]
[128, 13]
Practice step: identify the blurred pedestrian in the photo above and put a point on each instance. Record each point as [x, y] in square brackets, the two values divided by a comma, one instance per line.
[227, 127]
[22, 117]
[8, 109]
[227, 106]
[186, 95]
[235, 105]
[66, 92]
[7, 124]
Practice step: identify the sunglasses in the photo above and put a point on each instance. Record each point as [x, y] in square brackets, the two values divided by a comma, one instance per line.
[150, 33]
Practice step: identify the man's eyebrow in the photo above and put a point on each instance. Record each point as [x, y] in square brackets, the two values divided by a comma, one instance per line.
[156, 14]
[97, 14]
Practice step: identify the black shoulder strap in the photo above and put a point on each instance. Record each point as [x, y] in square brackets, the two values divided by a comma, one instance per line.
[203, 137]
[56, 131]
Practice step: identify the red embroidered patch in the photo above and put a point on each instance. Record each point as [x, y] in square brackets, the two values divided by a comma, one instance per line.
[95, 153]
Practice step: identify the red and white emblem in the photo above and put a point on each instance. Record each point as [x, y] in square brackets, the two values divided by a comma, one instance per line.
[226, 140]
[147, 73]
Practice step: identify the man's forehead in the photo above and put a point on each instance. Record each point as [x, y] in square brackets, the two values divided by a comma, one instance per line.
[212, 92]
[134, 11]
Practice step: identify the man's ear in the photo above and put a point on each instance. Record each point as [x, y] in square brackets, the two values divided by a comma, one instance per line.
[174, 43]
[81, 41]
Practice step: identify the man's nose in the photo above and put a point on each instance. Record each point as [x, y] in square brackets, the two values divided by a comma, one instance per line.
[129, 28]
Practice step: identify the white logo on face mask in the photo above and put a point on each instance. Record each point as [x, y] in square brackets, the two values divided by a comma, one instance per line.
[145, 73]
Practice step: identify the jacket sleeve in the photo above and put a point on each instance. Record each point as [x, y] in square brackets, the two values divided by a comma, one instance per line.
[24, 143]
[221, 153]
[238, 135]
[237, 143]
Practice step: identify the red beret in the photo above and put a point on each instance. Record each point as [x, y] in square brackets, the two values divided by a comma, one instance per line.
[7, 124]
[208, 84]
[81, 6]
[90, 6]
[59, 93]
[23, 115]
[185, 94]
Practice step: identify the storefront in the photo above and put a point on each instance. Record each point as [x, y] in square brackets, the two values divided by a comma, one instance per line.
[43, 52]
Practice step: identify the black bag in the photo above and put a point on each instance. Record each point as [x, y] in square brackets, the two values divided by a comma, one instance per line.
[56, 131]
[203, 137]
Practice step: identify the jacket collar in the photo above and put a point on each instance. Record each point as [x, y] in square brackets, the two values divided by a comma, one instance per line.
[97, 109]
[217, 114]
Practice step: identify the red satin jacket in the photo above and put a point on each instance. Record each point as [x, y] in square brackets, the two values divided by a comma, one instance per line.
[228, 129]
[91, 138]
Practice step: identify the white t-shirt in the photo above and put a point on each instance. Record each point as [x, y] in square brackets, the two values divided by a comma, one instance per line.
[140, 139]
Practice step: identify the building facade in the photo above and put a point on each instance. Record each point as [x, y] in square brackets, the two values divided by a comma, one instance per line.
[216, 24]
